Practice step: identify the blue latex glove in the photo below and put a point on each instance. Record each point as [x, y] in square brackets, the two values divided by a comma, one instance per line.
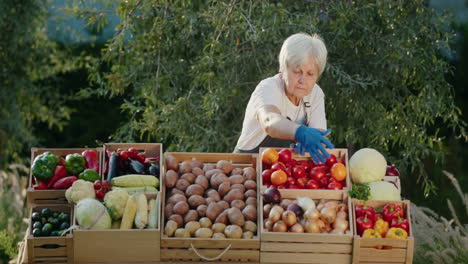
[311, 140]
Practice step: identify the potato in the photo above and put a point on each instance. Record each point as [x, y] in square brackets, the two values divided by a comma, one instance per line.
[196, 164]
[178, 219]
[238, 204]
[250, 173]
[182, 232]
[210, 200]
[251, 201]
[213, 194]
[208, 166]
[168, 210]
[224, 205]
[225, 166]
[250, 226]
[205, 222]
[171, 178]
[249, 184]
[176, 191]
[250, 193]
[250, 213]
[235, 216]
[211, 173]
[176, 198]
[194, 189]
[236, 179]
[201, 210]
[213, 211]
[196, 200]
[204, 233]
[190, 177]
[238, 186]
[192, 227]
[197, 171]
[218, 228]
[170, 228]
[233, 231]
[192, 215]
[171, 162]
[222, 217]
[180, 208]
[234, 194]
[202, 181]
[247, 235]
[185, 167]
[182, 184]
[219, 235]
[217, 179]
[224, 188]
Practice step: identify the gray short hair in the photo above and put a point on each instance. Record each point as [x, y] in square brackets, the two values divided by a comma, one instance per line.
[298, 47]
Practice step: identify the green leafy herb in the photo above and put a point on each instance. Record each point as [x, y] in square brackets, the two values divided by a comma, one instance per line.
[360, 191]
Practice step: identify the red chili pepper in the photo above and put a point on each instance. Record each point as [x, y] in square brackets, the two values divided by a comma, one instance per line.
[40, 186]
[59, 173]
[364, 223]
[92, 160]
[392, 211]
[65, 183]
[362, 210]
[401, 223]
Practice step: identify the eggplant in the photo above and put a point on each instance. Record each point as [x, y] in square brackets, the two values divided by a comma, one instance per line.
[113, 166]
[136, 166]
[153, 170]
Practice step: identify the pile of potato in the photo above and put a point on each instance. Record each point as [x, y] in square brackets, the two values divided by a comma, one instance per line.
[210, 200]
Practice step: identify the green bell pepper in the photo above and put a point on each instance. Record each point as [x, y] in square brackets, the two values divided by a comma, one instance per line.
[89, 175]
[44, 165]
[75, 164]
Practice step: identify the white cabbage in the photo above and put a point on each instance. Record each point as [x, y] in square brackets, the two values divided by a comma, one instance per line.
[91, 214]
[383, 190]
[367, 165]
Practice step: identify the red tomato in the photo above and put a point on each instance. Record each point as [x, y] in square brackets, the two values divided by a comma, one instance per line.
[100, 194]
[331, 160]
[288, 171]
[293, 186]
[335, 186]
[298, 172]
[291, 181]
[324, 182]
[305, 164]
[132, 152]
[301, 182]
[281, 186]
[317, 173]
[338, 171]
[279, 177]
[266, 176]
[278, 166]
[312, 184]
[285, 156]
[293, 162]
[97, 185]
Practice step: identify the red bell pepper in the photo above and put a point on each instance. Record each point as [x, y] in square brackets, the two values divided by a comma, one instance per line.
[59, 173]
[61, 161]
[392, 211]
[92, 160]
[377, 217]
[401, 223]
[364, 223]
[362, 210]
[65, 183]
[40, 186]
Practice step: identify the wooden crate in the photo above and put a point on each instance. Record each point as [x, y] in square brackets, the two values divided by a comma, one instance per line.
[339, 153]
[281, 247]
[200, 249]
[49, 249]
[115, 245]
[52, 196]
[393, 251]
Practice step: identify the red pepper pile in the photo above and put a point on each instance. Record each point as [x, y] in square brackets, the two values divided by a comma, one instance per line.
[392, 213]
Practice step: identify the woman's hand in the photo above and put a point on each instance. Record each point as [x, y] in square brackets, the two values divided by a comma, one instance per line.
[312, 141]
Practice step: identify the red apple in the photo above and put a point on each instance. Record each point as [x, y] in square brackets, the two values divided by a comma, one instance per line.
[324, 182]
[293, 186]
[285, 156]
[335, 186]
[317, 173]
[331, 160]
[290, 181]
[266, 176]
[312, 184]
[301, 182]
[281, 186]
[298, 172]
[278, 166]
[305, 164]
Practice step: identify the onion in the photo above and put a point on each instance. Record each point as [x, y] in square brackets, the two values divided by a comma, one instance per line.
[285, 203]
[295, 208]
[266, 210]
[271, 195]
[392, 171]
[312, 226]
[279, 227]
[274, 216]
[312, 214]
[328, 214]
[289, 218]
[337, 232]
[326, 228]
[268, 225]
[305, 203]
[278, 208]
[321, 204]
[331, 204]
[341, 224]
[297, 228]
[341, 215]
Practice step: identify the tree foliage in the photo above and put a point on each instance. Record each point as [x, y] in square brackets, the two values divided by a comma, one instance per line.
[187, 68]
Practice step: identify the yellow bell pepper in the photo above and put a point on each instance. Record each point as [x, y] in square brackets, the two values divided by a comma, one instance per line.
[381, 227]
[396, 232]
[371, 233]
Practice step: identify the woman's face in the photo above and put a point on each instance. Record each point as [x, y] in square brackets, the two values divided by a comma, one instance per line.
[300, 80]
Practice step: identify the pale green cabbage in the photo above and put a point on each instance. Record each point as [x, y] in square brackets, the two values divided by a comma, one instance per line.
[367, 165]
[91, 214]
[383, 190]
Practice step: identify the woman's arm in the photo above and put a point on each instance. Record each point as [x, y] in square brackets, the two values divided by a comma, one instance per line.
[274, 124]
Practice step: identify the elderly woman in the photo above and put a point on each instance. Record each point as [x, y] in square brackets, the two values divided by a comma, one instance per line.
[289, 107]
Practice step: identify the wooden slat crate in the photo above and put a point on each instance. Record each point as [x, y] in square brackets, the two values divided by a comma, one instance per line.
[281, 247]
[393, 251]
[52, 196]
[115, 245]
[54, 249]
[339, 153]
[200, 249]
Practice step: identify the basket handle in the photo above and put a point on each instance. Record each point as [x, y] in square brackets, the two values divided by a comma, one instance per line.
[209, 259]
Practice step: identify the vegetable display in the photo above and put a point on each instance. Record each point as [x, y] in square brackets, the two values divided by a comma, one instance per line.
[49, 223]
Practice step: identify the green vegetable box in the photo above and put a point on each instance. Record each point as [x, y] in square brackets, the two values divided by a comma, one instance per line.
[54, 170]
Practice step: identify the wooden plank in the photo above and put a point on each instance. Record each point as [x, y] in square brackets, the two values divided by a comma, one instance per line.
[389, 242]
[280, 257]
[381, 255]
[356, 250]
[169, 242]
[313, 194]
[306, 247]
[306, 237]
[410, 251]
[190, 255]
[50, 252]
